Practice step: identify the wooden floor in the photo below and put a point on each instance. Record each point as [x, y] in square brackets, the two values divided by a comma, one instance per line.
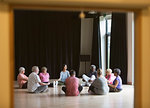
[55, 98]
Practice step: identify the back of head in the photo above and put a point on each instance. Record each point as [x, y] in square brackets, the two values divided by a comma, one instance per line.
[117, 70]
[99, 71]
[21, 69]
[72, 72]
[34, 68]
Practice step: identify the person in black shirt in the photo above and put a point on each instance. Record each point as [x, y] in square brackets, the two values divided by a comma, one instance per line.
[91, 76]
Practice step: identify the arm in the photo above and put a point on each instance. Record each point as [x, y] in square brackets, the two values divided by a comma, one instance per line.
[60, 77]
[68, 74]
[114, 86]
[43, 83]
[39, 81]
[24, 77]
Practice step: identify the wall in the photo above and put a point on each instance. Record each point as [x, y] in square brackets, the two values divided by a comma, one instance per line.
[88, 3]
[86, 42]
[145, 58]
[103, 44]
[130, 38]
[5, 95]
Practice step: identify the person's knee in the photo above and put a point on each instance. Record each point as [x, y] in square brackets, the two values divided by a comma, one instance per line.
[83, 75]
[64, 89]
[46, 86]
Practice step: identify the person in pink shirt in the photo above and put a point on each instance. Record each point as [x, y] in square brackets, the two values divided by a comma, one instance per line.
[44, 76]
[72, 85]
[109, 76]
[22, 78]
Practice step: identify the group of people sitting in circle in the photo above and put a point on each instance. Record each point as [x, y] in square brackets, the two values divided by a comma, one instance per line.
[97, 83]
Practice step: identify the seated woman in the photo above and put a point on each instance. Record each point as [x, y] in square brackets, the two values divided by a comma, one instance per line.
[117, 83]
[44, 76]
[109, 76]
[22, 78]
[99, 86]
[64, 74]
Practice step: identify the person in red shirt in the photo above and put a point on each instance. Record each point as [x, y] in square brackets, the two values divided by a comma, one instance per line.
[72, 85]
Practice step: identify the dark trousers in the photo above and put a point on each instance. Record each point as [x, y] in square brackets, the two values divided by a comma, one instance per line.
[41, 89]
[114, 89]
[79, 88]
[92, 89]
[24, 85]
[50, 85]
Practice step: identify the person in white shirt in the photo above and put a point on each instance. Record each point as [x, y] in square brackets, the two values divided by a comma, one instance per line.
[34, 83]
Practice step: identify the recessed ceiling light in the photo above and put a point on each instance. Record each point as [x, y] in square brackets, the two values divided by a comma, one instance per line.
[92, 12]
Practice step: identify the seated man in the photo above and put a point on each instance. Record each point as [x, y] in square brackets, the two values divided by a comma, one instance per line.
[34, 83]
[110, 76]
[91, 76]
[72, 85]
[99, 86]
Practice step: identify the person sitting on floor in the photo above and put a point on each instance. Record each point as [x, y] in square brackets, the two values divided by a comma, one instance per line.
[64, 74]
[22, 78]
[72, 85]
[99, 86]
[34, 83]
[44, 76]
[117, 83]
[109, 76]
[91, 76]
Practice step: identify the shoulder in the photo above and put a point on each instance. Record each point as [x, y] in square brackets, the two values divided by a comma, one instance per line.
[34, 74]
[40, 74]
[19, 74]
[76, 78]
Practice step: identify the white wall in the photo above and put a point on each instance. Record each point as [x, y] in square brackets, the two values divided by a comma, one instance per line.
[86, 42]
[130, 33]
[103, 43]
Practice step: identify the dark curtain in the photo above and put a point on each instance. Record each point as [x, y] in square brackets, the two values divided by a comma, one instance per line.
[47, 38]
[96, 43]
[118, 47]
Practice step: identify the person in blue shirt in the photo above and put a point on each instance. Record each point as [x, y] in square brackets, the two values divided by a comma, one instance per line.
[64, 74]
[117, 83]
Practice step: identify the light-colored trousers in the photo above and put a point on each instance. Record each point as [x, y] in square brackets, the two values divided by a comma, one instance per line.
[86, 78]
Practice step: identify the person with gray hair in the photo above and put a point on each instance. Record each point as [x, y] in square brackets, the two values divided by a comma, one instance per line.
[117, 83]
[22, 78]
[92, 75]
[34, 83]
[99, 85]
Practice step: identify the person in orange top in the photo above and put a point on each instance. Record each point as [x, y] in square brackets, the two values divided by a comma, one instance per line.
[22, 78]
